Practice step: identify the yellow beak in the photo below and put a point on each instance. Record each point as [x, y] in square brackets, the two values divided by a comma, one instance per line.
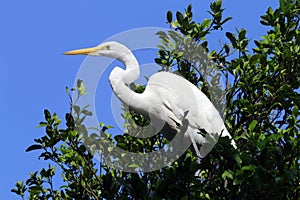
[85, 51]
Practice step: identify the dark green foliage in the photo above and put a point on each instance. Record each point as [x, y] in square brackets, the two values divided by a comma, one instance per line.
[262, 115]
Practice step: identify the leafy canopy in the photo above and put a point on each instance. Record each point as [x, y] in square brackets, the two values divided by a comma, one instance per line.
[262, 113]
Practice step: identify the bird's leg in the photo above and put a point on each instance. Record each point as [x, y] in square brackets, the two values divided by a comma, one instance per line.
[199, 157]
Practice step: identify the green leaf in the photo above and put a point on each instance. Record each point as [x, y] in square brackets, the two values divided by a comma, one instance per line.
[295, 111]
[20, 189]
[164, 62]
[227, 49]
[161, 33]
[242, 34]
[227, 174]
[169, 16]
[189, 8]
[179, 17]
[47, 115]
[67, 90]
[179, 54]
[157, 60]
[206, 23]
[82, 89]
[238, 159]
[41, 124]
[106, 127]
[252, 125]
[232, 39]
[87, 112]
[34, 147]
[237, 181]
[76, 109]
[255, 58]
[78, 83]
[225, 20]
[249, 168]
[204, 44]
[74, 133]
[257, 43]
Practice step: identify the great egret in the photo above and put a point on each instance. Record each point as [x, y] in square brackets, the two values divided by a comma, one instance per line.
[168, 97]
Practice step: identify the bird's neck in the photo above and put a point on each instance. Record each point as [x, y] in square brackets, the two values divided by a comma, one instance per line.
[120, 77]
[132, 69]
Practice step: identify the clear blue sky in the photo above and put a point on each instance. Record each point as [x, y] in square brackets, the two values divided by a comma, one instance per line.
[34, 71]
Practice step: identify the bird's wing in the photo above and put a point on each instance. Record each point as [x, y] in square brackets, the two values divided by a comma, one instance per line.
[175, 112]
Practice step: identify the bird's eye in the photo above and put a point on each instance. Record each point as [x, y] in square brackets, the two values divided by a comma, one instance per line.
[107, 47]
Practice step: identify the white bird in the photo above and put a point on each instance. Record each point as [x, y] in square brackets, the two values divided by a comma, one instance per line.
[168, 98]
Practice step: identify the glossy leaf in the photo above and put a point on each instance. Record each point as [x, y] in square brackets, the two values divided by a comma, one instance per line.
[169, 16]
[34, 147]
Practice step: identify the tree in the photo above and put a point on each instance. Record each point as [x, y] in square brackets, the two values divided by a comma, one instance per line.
[262, 114]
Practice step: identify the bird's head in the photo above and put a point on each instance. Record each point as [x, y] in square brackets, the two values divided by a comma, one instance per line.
[110, 49]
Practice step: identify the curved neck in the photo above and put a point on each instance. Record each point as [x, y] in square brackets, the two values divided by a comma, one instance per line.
[132, 69]
[119, 78]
